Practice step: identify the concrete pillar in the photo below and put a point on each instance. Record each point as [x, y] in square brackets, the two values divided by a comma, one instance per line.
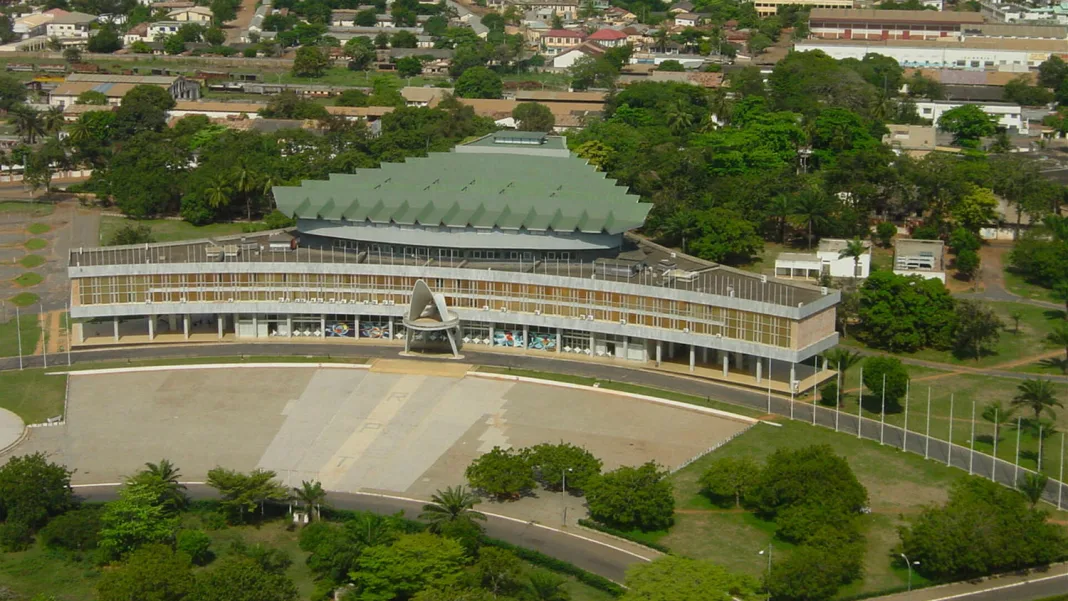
[172, 323]
[693, 353]
[826, 364]
[739, 361]
[671, 350]
[759, 370]
[659, 347]
[391, 334]
[115, 327]
[793, 375]
[185, 326]
[726, 364]
[491, 333]
[80, 328]
[559, 339]
[220, 321]
[255, 326]
[626, 347]
[151, 327]
[526, 337]
[289, 326]
[322, 325]
[593, 346]
[704, 354]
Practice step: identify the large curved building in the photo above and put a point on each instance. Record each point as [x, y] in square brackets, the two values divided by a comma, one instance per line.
[526, 245]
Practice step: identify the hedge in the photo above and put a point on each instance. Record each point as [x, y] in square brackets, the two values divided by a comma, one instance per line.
[540, 559]
[592, 525]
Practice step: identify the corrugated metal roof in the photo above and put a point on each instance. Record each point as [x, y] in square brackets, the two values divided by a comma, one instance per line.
[481, 190]
[899, 16]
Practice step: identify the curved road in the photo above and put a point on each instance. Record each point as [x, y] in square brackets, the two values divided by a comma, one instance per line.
[593, 556]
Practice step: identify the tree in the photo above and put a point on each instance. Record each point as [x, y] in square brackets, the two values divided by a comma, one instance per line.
[589, 72]
[498, 571]
[1033, 486]
[1059, 336]
[533, 116]
[218, 191]
[169, 476]
[678, 117]
[729, 479]
[174, 44]
[905, 313]
[855, 249]
[136, 519]
[809, 573]
[311, 496]
[77, 530]
[670, 65]
[478, 82]
[72, 55]
[412, 563]
[978, 329]
[841, 358]
[1039, 395]
[12, 92]
[28, 124]
[976, 209]
[403, 39]
[551, 461]
[897, 378]
[455, 503]
[196, 544]
[812, 210]
[32, 489]
[996, 413]
[674, 578]
[409, 66]
[1020, 90]
[983, 528]
[244, 492]
[501, 473]
[143, 108]
[91, 97]
[724, 235]
[1052, 72]
[288, 105]
[105, 41]
[366, 18]
[154, 573]
[360, 52]
[237, 578]
[214, 36]
[968, 123]
[632, 498]
[310, 61]
[352, 97]
[1016, 316]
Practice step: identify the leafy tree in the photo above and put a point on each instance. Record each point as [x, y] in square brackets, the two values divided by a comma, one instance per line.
[670, 65]
[244, 492]
[360, 52]
[976, 209]
[143, 108]
[77, 530]
[237, 578]
[352, 97]
[366, 18]
[134, 520]
[812, 475]
[288, 105]
[533, 116]
[131, 234]
[32, 489]
[897, 378]
[983, 528]
[412, 563]
[968, 123]
[409, 66]
[498, 571]
[72, 55]
[91, 97]
[729, 479]
[885, 232]
[501, 473]
[978, 328]
[105, 41]
[808, 573]
[153, 573]
[196, 544]
[144, 176]
[311, 496]
[962, 239]
[403, 39]
[1038, 395]
[551, 461]
[589, 72]
[632, 498]
[905, 313]
[12, 92]
[674, 578]
[724, 235]
[1020, 90]
[478, 82]
[174, 44]
[310, 61]
[1033, 486]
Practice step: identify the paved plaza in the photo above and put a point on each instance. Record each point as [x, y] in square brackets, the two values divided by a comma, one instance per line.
[390, 430]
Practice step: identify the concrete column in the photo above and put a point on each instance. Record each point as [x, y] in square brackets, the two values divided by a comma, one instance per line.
[115, 326]
[693, 353]
[80, 328]
[220, 321]
[593, 346]
[185, 326]
[626, 347]
[738, 361]
[759, 370]
[322, 325]
[491, 333]
[704, 354]
[559, 339]
[255, 326]
[289, 326]
[726, 364]
[391, 328]
[172, 323]
[826, 364]
[671, 350]
[151, 327]
[659, 347]
[526, 337]
[793, 375]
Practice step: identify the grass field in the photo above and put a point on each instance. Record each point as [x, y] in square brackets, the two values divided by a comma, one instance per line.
[25, 299]
[32, 394]
[31, 261]
[1018, 284]
[38, 228]
[9, 334]
[36, 244]
[28, 279]
[898, 484]
[33, 209]
[168, 230]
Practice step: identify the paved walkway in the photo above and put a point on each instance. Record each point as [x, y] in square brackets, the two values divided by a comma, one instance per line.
[11, 428]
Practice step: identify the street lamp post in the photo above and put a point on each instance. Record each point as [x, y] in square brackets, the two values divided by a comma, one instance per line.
[563, 491]
[909, 565]
[762, 551]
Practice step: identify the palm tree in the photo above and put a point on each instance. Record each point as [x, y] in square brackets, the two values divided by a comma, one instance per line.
[218, 191]
[719, 104]
[812, 210]
[679, 119]
[28, 124]
[168, 474]
[370, 530]
[246, 181]
[1041, 429]
[997, 413]
[841, 358]
[544, 585]
[1033, 486]
[1060, 291]
[680, 225]
[1016, 316]
[449, 505]
[854, 248]
[53, 120]
[79, 132]
[1038, 396]
[1059, 337]
[312, 496]
[660, 39]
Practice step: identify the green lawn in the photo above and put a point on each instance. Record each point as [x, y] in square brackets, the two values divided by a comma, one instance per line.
[32, 394]
[31, 261]
[35, 244]
[28, 279]
[38, 571]
[1035, 324]
[39, 228]
[9, 334]
[898, 484]
[25, 299]
[34, 209]
[169, 230]
[1018, 284]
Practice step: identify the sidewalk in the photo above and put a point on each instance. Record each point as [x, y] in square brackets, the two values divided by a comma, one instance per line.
[959, 589]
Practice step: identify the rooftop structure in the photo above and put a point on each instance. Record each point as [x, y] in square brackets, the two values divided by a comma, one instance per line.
[914, 140]
[920, 257]
[827, 260]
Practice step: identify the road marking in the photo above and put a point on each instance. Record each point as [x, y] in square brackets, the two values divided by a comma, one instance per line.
[999, 588]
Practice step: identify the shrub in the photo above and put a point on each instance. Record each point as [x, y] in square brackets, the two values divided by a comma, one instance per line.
[885, 232]
[501, 473]
[197, 545]
[728, 479]
[896, 378]
[77, 530]
[632, 498]
[15, 535]
[551, 461]
[130, 234]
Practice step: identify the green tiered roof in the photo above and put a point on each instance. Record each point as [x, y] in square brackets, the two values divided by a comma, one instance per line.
[483, 190]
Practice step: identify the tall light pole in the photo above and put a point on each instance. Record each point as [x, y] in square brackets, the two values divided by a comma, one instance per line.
[762, 551]
[563, 490]
[909, 565]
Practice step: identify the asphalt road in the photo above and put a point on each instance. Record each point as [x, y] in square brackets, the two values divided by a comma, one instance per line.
[590, 555]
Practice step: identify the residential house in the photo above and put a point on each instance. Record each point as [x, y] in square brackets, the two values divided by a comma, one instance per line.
[73, 25]
[161, 29]
[681, 7]
[566, 9]
[619, 16]
[569, 57]
[555, 41]
[137, 33]
[35, 24]
[827, 259]
[687, 20]
[917, 141]
[195, 14]
[114, 87]
[533, 30]
[925, 258]
[416, 96]
[608, 38]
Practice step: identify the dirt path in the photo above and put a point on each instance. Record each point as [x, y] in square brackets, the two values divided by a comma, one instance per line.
[236, 28]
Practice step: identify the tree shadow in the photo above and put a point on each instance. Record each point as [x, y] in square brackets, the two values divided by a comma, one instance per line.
[873, 403]
[986, 438]
[1029, 455]
[1052, 314]
[1060, 363]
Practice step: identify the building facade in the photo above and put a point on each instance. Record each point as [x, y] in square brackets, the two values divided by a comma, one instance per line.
[873, 24]
[970, 53]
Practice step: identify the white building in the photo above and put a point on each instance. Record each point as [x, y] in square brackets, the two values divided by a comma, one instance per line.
[1008, 115]
[973, 53]
[73, 25]
[196, 14]
[826, 260]
[924, 258]
[161, 29]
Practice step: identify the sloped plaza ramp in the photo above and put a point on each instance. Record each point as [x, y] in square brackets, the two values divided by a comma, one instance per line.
[353, 429]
